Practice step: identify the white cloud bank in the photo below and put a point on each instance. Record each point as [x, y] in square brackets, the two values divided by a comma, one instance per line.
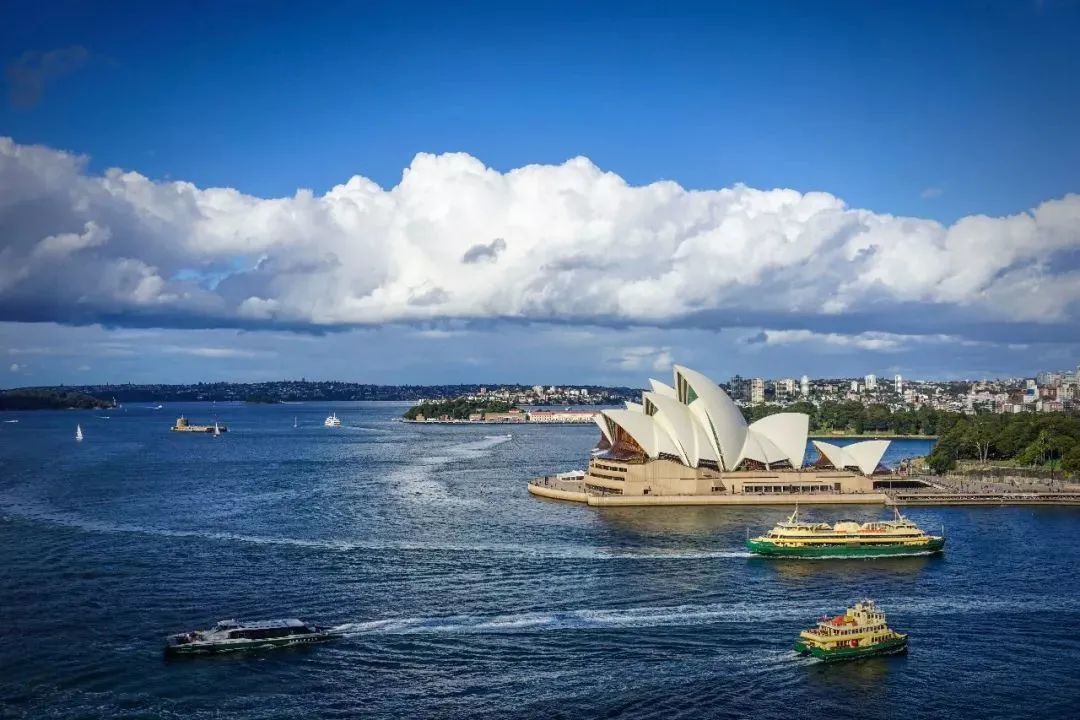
[455, 239]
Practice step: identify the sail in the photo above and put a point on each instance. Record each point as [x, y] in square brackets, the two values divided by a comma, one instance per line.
[78, 432]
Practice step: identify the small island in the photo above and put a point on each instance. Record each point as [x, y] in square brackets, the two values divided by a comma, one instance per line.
[39, 399]
[492, 412]
[459, 408]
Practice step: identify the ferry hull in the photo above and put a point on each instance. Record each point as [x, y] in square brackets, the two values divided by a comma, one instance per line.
[192, 649]
[887, 647]
[935, 545]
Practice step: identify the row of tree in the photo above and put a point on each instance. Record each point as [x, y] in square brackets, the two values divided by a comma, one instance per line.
[33, 399]
[856, 418]
[1048, 440]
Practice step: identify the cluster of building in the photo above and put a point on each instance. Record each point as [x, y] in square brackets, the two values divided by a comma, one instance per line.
[1048, 391]
[517, 415]
[895, 392]
[550, 417]
[550, 395]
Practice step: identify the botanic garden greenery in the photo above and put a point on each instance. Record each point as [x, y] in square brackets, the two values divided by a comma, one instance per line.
[1048, 440]
[856, 418]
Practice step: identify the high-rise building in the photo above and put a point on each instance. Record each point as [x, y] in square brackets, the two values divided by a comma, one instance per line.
[899, 383]
[854, 386]
[739, 388]
[784, 390]
[805, 386]
[757, 391]
[871, 382]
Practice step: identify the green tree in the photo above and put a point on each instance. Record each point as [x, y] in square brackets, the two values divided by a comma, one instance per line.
[1071, 461]
[941, 461]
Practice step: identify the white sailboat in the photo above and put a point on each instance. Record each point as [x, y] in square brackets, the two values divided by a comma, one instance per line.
[217, 430]
[294, 422]
[78, 432]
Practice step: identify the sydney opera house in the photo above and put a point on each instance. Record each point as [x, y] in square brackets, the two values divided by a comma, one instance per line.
[690, 440]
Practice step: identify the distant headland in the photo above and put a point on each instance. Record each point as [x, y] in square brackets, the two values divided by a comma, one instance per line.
[42, 399]
[330, 390]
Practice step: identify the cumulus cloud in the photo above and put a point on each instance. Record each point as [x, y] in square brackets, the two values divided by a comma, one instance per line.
[571, 244]
[484, 252]
[29, 74]
[876, 341]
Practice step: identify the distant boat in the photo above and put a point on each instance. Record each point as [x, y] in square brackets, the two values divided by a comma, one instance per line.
[234, 635]
[294, 422]
[78, 432]
[11, 421]
[217, 430]
[332, 420]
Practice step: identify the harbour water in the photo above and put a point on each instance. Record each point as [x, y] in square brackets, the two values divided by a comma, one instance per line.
[463, 596]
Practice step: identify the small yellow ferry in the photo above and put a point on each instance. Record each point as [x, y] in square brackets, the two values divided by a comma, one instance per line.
[845, 539]
[860, 632]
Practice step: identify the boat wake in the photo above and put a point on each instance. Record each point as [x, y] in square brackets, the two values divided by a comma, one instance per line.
[39, 512]
[678, 615]
[420, 480]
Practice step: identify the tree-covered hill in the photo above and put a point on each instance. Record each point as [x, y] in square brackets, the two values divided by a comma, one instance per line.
[48, 400]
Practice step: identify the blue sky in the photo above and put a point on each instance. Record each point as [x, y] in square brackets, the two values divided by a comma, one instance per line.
[937, 111]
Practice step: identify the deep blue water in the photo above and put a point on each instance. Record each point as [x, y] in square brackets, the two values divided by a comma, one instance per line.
[465, 597]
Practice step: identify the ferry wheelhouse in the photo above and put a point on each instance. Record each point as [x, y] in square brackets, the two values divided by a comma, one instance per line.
[880, 538]
[860, 632]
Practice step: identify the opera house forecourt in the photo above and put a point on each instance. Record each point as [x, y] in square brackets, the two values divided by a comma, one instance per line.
[689, 444]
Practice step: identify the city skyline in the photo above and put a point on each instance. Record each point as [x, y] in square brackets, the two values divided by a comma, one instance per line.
[428, 206]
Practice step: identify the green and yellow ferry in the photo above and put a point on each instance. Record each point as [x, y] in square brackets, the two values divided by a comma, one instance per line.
[860, 632]
[845, 539]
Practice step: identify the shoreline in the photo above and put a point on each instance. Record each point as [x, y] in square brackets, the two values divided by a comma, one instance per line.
[510, 423]
[870, 436]
[572, 490]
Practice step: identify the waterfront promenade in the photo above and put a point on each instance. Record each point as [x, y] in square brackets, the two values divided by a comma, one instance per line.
[570, 487]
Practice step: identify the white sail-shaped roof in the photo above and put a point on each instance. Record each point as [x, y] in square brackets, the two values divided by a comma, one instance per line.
[696, 421]
[646, 432]
[683, 427]
[788, 432]
[760, 448]
[865, 455]
[721, 418]
[662, 388]
[602, 424]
